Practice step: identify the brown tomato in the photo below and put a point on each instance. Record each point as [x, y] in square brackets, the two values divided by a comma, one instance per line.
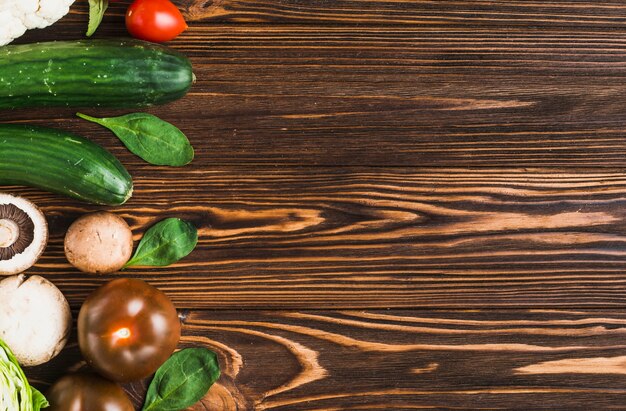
[127, 329]
[87, 391]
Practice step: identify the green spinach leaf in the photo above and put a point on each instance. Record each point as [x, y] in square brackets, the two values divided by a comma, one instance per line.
[182, 380]
[154, 140]
[96, 12]
[165, 243]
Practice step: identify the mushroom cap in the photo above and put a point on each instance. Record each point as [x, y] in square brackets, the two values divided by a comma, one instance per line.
[99, 243]
[23, 260]
[35, 318]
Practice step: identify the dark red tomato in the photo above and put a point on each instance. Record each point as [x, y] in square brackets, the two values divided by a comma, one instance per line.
[87, 391]
[154, 20]
[127, 329]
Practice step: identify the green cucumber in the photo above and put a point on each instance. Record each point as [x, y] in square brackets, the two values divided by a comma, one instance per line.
[92, 73]
[63, 163]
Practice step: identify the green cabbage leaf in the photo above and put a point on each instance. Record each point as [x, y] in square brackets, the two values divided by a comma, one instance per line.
[16, 394]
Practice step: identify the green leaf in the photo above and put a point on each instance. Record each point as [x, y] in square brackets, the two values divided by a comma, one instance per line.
[96, 12]
[39, 401]
[165, 243]
[15, 391]
[182, 380]
[154, 140]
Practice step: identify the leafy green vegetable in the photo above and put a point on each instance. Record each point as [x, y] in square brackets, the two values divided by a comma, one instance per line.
[96, 12]
[183, 380]
[165, 243]
[15, 391]
[154, 140]
[39, 401]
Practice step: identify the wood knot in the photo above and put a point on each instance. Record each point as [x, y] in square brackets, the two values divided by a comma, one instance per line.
[195, 10]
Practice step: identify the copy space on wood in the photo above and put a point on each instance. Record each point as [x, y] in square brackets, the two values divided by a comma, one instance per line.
[403, 359]
[348, 238]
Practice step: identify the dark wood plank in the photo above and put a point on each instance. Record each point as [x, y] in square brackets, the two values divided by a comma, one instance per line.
[601, 15]
[552, 15]
[401, 360]
[408, 95]
[314, 238]
[296, 101]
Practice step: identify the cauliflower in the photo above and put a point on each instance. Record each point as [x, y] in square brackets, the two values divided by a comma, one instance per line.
[17, 16]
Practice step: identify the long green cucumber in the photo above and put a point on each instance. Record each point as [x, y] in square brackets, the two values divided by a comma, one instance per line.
[92, 73]
[63, 163]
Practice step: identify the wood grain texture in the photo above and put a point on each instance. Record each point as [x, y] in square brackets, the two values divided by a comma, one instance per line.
[601, 15]
[554, 15]
[500, 84]
[323, 238]
[354, 156]
[402, 360]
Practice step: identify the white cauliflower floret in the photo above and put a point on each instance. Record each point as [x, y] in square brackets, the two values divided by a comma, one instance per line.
[17, 16]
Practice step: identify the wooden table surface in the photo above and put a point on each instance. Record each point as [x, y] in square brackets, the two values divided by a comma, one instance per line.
[402, 204]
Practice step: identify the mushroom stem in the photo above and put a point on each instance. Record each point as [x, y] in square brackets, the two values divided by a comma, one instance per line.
[9, 232]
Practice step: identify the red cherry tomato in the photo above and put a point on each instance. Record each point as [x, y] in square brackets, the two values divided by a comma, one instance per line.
[87, 391]
[154, 20]
[127, 329]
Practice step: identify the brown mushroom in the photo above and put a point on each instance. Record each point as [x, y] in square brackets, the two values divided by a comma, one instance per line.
[99, 243]
[23, 234]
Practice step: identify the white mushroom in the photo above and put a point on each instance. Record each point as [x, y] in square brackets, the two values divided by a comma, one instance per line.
[23, 234]
[35, 318]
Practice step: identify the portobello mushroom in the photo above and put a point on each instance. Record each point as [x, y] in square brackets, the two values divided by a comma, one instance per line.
[23, 234]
